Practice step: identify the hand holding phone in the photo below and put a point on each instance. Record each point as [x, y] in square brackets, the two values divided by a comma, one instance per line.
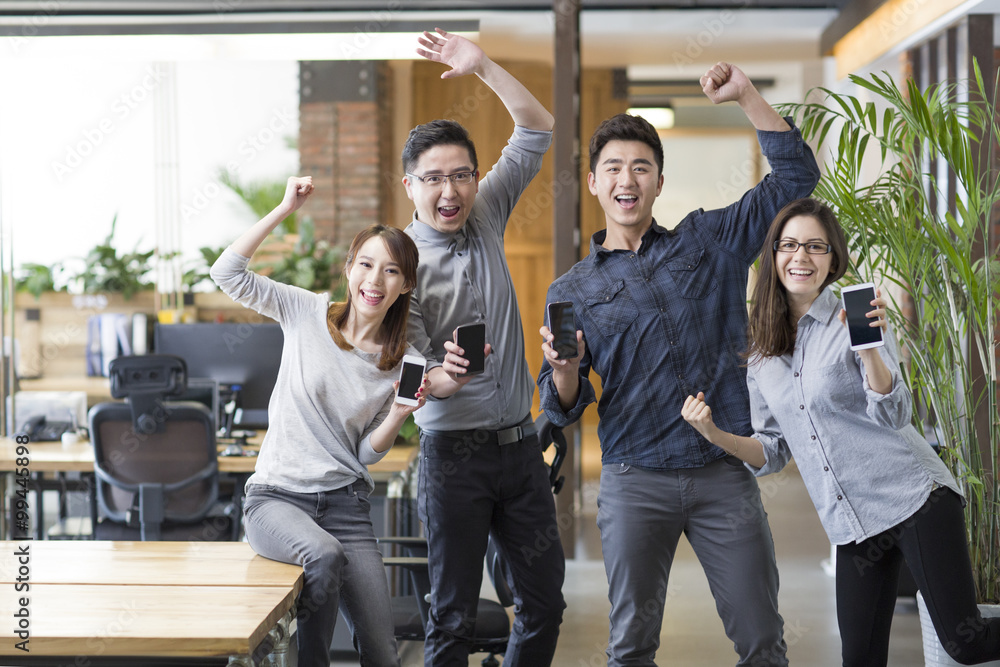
[857, 304]
[411, 376]
[472, 339]
[562, 324]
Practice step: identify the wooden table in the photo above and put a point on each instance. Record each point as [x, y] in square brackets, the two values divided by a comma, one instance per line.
[94, 601]
[55, 458]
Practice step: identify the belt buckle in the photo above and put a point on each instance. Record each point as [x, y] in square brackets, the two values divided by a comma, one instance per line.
[503, 437]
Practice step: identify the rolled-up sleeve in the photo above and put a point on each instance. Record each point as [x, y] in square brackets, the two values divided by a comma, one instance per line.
[767, 432]
[549, 398]
[895, 409]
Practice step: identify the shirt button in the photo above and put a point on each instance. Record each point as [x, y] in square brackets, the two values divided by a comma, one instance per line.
[673, 342]
[813, 437]
[840, 497]
[632, 256]
[802, 407]
[826, 468]
[795, 374]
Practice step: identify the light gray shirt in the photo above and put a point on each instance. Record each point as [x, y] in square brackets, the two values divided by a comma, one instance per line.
[865, 466]
[463, 278]
[326, 401]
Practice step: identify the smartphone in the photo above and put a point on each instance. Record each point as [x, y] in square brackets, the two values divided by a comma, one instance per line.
[410, 377]
[562, 324]
[472, 339]
[858, 303]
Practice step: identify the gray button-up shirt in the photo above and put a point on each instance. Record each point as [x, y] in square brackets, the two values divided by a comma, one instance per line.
[463, 278]
[865, 466]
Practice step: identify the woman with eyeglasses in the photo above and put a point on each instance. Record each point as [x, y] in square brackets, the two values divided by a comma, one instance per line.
[882, 494]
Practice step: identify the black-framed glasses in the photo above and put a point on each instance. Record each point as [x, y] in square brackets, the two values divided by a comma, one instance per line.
[812, 247]
[437, 180]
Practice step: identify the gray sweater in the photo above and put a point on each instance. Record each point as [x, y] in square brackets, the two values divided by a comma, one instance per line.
[326, 401]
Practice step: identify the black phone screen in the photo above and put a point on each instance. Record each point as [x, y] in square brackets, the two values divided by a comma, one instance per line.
[562, 324]
[858, 303]
[409, 380]
[472, 339]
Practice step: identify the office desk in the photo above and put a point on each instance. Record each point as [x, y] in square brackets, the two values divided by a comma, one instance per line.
[56, 458]
[146, 601]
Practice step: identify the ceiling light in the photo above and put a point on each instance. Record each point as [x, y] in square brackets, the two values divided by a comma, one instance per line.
[662, 118]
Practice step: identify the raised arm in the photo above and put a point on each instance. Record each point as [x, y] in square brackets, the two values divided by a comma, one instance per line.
[725, 82]
[465, 57]
[297, 191]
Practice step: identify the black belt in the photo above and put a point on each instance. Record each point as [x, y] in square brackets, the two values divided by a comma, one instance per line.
[506, 436]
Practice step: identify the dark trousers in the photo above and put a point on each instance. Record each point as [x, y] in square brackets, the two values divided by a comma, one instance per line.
[470, 489]
[933, 543]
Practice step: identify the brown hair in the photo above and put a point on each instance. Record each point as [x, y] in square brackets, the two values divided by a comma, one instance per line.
[392, 333]
[771, 332]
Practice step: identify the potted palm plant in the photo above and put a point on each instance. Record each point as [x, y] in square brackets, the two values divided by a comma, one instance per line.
[905, 231]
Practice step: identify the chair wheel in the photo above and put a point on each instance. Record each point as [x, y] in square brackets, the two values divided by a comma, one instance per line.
[490, 661]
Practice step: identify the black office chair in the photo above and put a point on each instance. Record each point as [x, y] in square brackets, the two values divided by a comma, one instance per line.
[157, 476]
[492, 630]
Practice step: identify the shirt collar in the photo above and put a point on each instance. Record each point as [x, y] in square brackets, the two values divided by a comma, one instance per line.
[598, 250]
[825, 307]
[455, 241]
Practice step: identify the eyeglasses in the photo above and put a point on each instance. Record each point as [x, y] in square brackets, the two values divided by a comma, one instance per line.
[437, 180]
[811, 247]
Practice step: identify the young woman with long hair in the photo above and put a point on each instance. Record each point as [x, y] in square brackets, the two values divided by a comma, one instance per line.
[332, 413]
[882, 494]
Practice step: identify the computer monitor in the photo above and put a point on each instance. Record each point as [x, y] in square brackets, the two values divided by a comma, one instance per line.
[204, 391]
[237, 355]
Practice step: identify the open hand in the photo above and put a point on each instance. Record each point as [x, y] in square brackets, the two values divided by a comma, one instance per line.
[464, 57]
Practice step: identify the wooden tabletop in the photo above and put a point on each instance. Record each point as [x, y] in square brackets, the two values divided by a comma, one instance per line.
[143, 598]
[148, 563]
[189, 621]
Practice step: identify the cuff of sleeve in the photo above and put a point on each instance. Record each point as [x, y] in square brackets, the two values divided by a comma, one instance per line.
[367, 455]
[782, 144]
[533, 140]
[768, 443]
[897, 394]
[549, 401]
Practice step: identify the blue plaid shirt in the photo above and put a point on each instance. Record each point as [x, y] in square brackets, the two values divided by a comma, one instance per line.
[670, 320]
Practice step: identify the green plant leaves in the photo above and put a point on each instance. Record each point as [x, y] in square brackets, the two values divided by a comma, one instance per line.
[902, 228]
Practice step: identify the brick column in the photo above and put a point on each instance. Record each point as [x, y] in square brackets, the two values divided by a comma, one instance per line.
[342, 134]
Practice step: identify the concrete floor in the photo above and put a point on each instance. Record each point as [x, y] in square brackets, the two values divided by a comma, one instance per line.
[692, 634]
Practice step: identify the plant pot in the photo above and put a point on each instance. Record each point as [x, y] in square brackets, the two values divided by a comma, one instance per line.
[934, 653]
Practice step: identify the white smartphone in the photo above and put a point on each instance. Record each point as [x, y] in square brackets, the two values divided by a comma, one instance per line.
[858, 303]
[410, 376]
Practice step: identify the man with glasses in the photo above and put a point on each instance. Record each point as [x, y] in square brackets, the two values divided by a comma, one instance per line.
[481, 469]
[663, 316]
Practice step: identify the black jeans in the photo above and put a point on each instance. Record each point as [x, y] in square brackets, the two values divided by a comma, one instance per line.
[470, 489]
[933, 543]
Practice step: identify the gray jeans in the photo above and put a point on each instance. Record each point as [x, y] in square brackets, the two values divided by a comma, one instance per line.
[641, 515]
[330, 535]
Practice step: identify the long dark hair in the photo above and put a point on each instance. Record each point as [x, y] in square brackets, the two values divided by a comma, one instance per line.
[771, 331]
[392, 333]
